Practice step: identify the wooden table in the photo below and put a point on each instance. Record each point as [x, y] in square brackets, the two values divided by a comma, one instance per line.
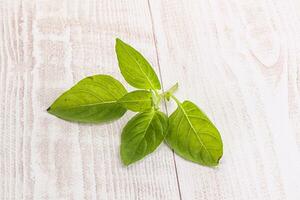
[238, 60]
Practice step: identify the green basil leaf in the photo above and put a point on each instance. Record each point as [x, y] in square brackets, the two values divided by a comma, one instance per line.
[193, 136]
[142, 135]
[93, 99]
[137, 101]
[135, 68]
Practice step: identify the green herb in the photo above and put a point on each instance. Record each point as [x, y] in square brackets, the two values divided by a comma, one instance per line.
[101, 98]
[193, 136]
[93, 99]
[142, 135]
[137, 101]
[135, 68]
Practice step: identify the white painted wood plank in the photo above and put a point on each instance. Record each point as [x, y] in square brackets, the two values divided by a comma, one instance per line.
[239, 61]
[45, 47]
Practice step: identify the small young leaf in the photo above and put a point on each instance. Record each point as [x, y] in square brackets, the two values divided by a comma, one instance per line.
[93, 99]
[135, 68]
[137, 101]
[142, 135]
[193, 136]
[170, 91]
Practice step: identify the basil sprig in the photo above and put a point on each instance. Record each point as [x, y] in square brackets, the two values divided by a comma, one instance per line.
[101, 98]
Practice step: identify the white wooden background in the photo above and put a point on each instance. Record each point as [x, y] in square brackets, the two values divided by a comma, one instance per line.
[239, 60]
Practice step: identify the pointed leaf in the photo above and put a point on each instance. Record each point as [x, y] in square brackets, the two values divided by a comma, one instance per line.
[137, 101]
[193, 136]
[93, 99]
[135, 68]
[142, 135]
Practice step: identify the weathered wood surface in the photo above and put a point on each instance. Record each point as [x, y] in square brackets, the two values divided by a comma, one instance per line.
[238, 60]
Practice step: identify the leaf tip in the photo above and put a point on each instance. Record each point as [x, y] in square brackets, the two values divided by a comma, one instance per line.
[126, 162]
[218, 160]
[118, 40]
[48, 109]
[177, 85]
[118, 44]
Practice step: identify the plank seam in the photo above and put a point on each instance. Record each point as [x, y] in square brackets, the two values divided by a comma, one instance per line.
[162, 88]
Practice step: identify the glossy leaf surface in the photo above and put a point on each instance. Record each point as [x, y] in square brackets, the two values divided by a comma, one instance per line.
[137, 101]
[193, 136]
[135, 68]
[142, 135]
[93, 99]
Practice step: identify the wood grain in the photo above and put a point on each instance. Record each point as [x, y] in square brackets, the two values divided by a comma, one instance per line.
[47, 46]
[238, 60]
[235, 59]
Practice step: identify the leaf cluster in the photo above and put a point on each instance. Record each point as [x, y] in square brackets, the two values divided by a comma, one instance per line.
[102, 98]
